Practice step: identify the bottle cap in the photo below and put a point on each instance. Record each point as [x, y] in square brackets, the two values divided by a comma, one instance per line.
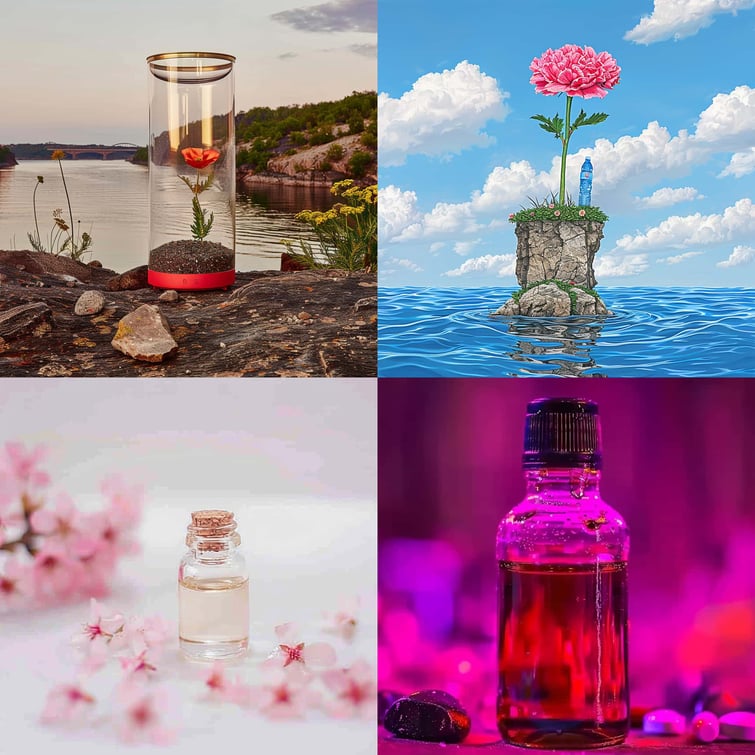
[562, 432]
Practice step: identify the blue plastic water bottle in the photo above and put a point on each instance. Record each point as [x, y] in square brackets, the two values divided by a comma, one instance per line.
[585, 183]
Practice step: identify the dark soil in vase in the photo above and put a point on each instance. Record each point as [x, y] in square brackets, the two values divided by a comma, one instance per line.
[191, 257]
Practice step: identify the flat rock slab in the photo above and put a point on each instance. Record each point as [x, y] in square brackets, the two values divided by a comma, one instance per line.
[34, 318]
[254, 328]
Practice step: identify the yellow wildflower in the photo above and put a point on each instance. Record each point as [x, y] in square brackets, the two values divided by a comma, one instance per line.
[58, 154]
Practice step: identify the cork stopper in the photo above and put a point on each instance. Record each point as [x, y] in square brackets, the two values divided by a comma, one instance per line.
[209, 528]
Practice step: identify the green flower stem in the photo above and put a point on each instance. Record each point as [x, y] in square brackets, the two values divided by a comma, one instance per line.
[34, 204]
[565, 141]
[68, 199]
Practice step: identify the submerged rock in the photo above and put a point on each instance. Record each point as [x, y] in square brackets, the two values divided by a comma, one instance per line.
[550, 300]
[145, 335]
[428, 716]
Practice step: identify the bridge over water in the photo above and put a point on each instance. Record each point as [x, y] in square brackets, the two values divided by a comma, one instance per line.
[122, 150]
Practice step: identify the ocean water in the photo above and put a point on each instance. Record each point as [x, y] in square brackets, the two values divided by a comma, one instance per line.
[653, 332]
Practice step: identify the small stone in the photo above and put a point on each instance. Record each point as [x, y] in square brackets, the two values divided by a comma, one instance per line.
[192, 321]
[386, 698]
[222, 345]
[705, 726]
[368, 302]
[663, 721]
[738, 725]
[94, 263]
[304, 316]
[428, 716]
[89, 303]
[34, 318]
[145, 335]
[169, 295]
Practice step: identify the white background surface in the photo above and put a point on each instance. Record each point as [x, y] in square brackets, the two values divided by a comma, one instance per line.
[294, 459]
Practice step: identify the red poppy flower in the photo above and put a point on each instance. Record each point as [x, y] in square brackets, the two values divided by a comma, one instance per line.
[199, 158]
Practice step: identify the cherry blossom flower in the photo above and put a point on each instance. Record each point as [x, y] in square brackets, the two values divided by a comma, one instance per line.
[21, 466]
[220, 687]
[296, 656]
[126, 500]
[137, 664]
[55, 574]
[354, 691]
[102, 626]
[283, 696]
[64, 524]
[67, 703]
[343, 622]
[16, 584]
[144, 635]
[142, 714]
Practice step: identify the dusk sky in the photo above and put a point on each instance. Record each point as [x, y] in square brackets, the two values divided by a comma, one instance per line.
[77, 72]
[674, 164]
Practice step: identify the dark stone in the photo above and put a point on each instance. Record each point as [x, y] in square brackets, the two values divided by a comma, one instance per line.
[34, 318]
[290, 264]
[386, 698]
[428, 716]
[131, 280]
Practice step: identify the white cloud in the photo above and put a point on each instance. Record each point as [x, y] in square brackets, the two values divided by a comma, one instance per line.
[666, 196]
[436, 246]
[728, 120]
[443, 114]
[408, 264]
[465, 247]
[397, 213]
[619, 267]
[681, 18]
[741, 255]
[676, 259]
[678, 231]
[500, 264]
[741, 164]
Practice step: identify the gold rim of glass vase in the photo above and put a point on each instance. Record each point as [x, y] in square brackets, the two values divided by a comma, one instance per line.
[182, 74]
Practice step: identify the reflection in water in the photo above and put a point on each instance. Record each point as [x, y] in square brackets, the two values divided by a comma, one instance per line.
[561, 346]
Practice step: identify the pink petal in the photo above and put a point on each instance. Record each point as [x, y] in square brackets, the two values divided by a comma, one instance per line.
[319, 654]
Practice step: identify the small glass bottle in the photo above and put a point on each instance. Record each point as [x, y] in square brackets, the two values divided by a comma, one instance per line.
[562, 622]
[213, 589]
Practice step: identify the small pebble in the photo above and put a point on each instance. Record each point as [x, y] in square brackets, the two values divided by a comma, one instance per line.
[222, 345]
[705, 726]
[169, 295]
[663, 721]
[386, 698]
[89, 303]
[428, 716]
[304, 316]
[738, 725]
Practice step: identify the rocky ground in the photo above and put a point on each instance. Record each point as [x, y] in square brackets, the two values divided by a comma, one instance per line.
[276, 324]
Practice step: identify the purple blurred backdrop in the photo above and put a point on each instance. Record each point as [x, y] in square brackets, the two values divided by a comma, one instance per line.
[678, 464]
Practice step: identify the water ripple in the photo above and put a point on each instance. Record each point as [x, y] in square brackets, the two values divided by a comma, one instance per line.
[681, 332]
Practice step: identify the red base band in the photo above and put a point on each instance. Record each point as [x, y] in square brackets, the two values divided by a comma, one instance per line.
[191, 281]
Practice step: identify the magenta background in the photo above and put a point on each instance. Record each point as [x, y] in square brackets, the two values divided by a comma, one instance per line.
[678, 464]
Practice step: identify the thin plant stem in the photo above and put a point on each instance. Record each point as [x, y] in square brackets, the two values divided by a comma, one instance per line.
[68, 199]
[565, 141]
[34, 204]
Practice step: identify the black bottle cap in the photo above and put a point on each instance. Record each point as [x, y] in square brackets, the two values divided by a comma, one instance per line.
[562, 432]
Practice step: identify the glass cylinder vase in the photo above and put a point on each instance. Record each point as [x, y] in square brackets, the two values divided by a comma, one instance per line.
[192, 170]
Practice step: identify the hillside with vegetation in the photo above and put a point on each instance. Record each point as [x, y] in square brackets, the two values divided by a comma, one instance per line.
[325, 142]
[7, 158]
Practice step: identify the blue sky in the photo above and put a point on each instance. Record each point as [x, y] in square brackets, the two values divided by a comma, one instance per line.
[674, 163]
[76, 71]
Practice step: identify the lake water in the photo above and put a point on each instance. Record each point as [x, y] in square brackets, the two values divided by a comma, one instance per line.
[662, 332]
[110, 198]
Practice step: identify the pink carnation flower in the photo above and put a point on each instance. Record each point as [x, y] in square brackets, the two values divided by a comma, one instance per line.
[574, 70]
[581, 213]
[557, 213]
